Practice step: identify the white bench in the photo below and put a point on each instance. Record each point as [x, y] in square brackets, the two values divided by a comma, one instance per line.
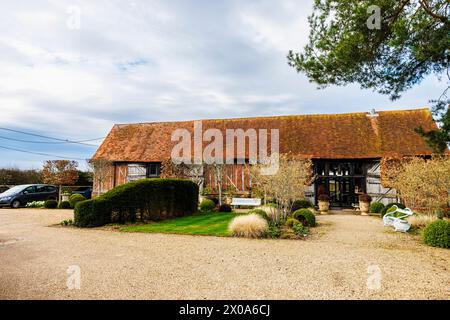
[251, 202]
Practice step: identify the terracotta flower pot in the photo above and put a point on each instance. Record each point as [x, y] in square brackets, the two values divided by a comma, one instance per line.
[364, 207]
[324, 206]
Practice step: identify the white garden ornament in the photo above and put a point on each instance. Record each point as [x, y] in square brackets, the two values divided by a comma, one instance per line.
[399, 223]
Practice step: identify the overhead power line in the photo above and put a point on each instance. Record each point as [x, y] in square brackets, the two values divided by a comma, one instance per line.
[53, 138]
[46, 142]
[42, 154]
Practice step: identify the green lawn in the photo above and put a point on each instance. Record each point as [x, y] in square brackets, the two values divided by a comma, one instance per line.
[212, 224]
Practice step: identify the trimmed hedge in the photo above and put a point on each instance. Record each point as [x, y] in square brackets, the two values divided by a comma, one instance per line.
[437, 234]
[390, 205]
[376, 207]
[51, 204]
[64, 205]
[305, 216]
[146, 199]
[75, 198]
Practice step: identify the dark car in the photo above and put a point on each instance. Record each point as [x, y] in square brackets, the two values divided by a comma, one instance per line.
[84, 191]
[19, 196]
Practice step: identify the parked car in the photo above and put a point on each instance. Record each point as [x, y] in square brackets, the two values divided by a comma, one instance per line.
[19, 196]
[3, 188]
[84, 191]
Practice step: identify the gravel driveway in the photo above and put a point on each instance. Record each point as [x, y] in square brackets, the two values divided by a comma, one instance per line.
[337, 262]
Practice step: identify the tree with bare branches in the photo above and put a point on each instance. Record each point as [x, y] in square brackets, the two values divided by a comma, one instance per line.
[103, 171]
[286, 185]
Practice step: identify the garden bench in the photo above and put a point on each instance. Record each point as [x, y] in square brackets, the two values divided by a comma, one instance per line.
[252, 202]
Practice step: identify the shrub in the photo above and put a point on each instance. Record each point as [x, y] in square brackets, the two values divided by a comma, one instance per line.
[250, 226]
[376, 207]
[365, 198]
[437, 234]
[64, 205]
[389, 206]
[50, 204]
[300, 204]
[35, 204]
[213, 199]
[75, 198]
[207, 205]
[300, 230]
[225, 208]
[146, 199]
[421, 221]
[260, 212]
[67, 222]
[274, 231]
[323, 197]
[290, 222]
[305, 216]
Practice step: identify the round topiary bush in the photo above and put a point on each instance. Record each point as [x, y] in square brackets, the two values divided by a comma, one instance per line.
[389, 206]
[301, 204]
[376, 207]
[225, 208]
[50, 204]
[437, 234]
[207, 205]
[75, 198]
[64, 205]
[305, 216]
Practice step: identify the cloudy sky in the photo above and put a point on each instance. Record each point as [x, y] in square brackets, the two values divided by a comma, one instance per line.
[71, 69]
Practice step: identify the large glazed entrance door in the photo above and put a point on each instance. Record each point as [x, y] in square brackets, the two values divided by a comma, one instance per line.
[342, 180]
[341, 192]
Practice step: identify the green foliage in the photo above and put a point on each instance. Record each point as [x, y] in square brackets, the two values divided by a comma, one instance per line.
[376, 207]
[64, 205]
[260, 212]
[300, 230]
[290, 222]
[437, 234]
[75, 198]
[50, 204]
[225, 208]
[301, 204]
[305, 216]
[207, 205]
[146, 199]
[274, 231]
[67, 222]
[388, 208]
[410, 43]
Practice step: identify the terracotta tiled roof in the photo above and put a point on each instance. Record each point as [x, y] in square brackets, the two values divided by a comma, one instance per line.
[350, 135]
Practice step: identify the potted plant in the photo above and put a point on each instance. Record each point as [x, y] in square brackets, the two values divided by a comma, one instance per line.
[324, 203]
[364, 204]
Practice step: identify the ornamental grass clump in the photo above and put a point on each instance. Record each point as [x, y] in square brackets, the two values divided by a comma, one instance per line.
[420, 221]
[249, 226]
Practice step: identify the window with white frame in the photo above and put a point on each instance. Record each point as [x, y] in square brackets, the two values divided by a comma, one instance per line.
[137, 172]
